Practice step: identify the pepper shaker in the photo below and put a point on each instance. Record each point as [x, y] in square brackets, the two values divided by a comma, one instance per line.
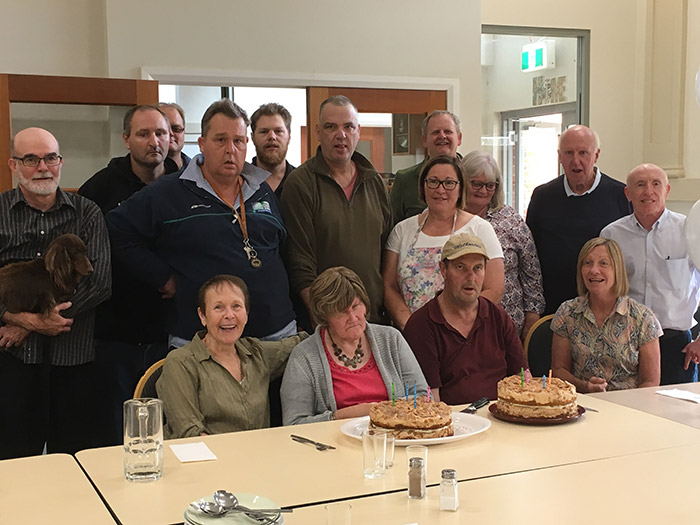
[416, 478]
[449, 500]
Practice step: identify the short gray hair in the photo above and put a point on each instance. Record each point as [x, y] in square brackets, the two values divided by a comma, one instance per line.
[336, 100]
[424, 125]
[478, 162]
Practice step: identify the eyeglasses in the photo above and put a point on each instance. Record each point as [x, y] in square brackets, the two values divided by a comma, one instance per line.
[32, 161]
[448, 184]
[477, 185]
[177, 129]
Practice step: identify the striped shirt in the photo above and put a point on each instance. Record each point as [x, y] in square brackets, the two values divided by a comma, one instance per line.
[25, 233]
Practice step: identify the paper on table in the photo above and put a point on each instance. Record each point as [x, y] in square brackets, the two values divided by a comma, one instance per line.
[680, 394]
[192, 452]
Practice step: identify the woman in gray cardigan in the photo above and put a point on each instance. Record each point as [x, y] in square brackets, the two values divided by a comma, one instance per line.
[347, 364]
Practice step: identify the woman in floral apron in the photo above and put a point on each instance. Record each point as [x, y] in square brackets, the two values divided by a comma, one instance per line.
[411, 268]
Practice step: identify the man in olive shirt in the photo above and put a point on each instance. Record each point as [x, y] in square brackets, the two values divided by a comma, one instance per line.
[440, 135]
[336, 208]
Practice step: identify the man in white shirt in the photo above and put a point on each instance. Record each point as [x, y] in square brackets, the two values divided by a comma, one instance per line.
[661, 275]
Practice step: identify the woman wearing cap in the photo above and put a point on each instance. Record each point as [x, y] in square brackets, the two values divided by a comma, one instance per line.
[604, 340]
[348, 364]
[523, 298]
[411, 268]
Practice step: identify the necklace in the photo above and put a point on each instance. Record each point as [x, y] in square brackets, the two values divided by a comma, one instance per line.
[348, 362]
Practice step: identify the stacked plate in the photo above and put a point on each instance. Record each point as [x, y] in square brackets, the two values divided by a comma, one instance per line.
[197, 517]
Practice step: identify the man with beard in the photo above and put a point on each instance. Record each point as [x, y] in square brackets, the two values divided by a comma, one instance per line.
[46, 369]
[271, 127]
[440, 135]
[129, 329]
[176, 118]
[336, 208]
[464, 343]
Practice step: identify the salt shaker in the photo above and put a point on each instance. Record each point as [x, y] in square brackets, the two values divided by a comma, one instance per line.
[449, 500]
[416, 478]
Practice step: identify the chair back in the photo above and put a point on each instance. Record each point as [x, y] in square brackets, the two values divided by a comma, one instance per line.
[146, 387]
[538, 346]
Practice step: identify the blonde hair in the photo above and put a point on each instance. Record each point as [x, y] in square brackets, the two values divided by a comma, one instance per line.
[334, 291]
[621, 286]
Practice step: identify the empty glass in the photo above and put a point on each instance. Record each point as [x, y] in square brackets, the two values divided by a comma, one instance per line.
[373, 453]
[143, 439]
[338, 514]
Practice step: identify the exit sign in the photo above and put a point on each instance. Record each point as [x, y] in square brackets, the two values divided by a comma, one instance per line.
[539, 55]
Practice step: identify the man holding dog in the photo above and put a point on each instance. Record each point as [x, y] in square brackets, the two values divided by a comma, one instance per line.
[46, 360]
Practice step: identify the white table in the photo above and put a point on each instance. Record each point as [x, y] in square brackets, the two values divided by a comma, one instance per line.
[49, 489]
[269, 463]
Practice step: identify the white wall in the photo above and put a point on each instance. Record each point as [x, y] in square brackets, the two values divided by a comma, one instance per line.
[304, 40]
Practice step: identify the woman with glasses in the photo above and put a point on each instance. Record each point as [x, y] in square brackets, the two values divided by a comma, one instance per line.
[411, 268]
[523, 298]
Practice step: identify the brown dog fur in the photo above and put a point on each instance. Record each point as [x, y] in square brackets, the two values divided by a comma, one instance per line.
[38, 285]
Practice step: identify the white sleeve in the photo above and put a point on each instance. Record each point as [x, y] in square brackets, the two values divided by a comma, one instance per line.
[397, 237]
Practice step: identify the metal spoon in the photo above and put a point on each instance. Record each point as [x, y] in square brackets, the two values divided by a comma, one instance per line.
[229, 502]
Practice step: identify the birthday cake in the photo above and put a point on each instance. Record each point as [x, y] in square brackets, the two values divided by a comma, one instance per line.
[431, 419]
[531, 400]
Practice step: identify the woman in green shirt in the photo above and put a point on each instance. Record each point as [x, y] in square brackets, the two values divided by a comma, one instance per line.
[219, 381]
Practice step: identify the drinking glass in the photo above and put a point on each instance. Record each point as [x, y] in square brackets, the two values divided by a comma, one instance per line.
[338, 514]
[373, 453]
[143, 439]
[417, 451]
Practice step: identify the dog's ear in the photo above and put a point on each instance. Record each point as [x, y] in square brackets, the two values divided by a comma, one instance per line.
[59, 265]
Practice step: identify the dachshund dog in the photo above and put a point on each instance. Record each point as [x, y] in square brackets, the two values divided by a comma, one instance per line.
[38, 285]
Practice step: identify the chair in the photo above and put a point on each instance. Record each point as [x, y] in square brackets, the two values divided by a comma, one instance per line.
[538, 346]
[146, 387]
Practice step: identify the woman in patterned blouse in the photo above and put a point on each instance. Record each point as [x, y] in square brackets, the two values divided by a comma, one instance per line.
[604, 340]
[523, 299]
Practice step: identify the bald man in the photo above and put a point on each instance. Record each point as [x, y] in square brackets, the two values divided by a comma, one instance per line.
[46, 360]
[567, 211]
[660, 273]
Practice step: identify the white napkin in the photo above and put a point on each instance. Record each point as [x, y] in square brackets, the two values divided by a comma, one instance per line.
[680, 394]
[192, 452]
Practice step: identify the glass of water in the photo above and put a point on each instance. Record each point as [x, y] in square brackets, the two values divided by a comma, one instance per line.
[143, 439]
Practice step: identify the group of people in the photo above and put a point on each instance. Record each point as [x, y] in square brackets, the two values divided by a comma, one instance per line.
[219, 264]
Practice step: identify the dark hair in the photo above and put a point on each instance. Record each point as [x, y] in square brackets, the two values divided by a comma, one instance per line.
[132, 111]
[218, 281]
[227, 107]
[443, 159]
[270, 110]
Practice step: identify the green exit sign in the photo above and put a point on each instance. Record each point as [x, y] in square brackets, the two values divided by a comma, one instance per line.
[539, 55]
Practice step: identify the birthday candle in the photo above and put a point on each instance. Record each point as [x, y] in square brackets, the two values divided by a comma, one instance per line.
[522, 377]
[393, 399]
[550, 376]
[544, 378]
[427, 396]
[528, 376]
[414, 395]
[406, 392]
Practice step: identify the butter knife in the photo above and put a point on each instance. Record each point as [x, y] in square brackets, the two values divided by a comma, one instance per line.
[471, 409]
[317, 444]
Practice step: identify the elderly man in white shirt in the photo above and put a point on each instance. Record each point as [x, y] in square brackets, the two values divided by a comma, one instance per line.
[661, 275]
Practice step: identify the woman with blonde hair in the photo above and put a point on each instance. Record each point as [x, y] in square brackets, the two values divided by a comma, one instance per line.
[347, 364]
[604, 340]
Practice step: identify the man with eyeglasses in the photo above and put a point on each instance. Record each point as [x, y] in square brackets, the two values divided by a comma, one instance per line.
[568, 211]
[46, 368]
[176, 117]
[129, 328]
[336, 208]
[440, 135]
